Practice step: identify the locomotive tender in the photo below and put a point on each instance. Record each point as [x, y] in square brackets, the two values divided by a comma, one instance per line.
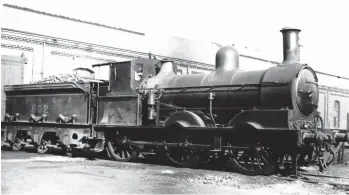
[256, 120]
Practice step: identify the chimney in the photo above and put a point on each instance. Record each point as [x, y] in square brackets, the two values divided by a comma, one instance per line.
[291, 48]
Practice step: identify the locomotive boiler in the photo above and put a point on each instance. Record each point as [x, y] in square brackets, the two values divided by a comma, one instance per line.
[291, 85]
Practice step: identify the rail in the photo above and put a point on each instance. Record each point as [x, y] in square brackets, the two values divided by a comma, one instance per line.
[311, 178]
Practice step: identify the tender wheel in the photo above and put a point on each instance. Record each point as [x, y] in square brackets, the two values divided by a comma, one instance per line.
[42, 147]
[16, 146]
[182, 157]
[120, 151]
[254, 161]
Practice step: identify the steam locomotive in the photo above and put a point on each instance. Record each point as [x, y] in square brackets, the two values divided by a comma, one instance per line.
[257, 121]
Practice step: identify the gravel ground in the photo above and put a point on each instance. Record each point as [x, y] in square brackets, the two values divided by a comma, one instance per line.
[31, 173]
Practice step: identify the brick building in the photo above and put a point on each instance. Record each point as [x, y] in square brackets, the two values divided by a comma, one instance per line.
[334, 107]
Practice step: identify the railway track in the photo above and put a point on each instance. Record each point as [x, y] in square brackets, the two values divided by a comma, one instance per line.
[336, 181]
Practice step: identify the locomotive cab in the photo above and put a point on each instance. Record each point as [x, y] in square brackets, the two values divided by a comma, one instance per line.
[126, 77]
[122, 104]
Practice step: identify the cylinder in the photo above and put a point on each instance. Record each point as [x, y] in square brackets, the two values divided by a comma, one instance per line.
[291, 49]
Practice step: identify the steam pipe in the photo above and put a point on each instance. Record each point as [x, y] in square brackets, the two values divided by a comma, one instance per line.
[291, 49]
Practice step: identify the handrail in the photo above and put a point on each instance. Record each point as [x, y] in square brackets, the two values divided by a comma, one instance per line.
[42, 86]
[264, 84]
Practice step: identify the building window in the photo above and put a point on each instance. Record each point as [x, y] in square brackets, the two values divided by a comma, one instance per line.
[336, 118]
[195, 72]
